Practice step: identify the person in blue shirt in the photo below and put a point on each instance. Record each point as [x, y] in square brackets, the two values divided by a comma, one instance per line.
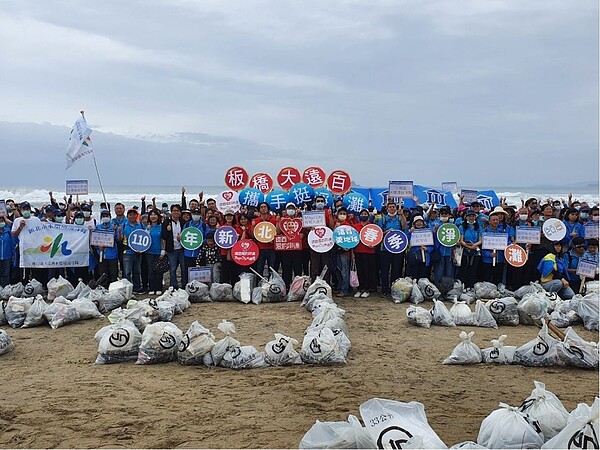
[110, 255]
[6, 250]
[554, 275]
[574, 228]
[470, 241]
[392, 264]
[441, 257]
[155, 252]
[488, 271]
[190, 256]
[571, 260]
[132, 260]
[418, 259]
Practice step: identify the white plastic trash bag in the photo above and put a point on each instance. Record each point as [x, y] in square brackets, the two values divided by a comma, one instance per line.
[486, 290]
[298, 288]
[196, 342]
[281, 352]
[123, 286]
[545, 408]
[6, 343]
[533, 307]
[198, 292]
[440, 314]
[16, 310]
[81, 286]
[540, 351]
[582, 431]
[428, 289]
[483, 317]
[507, 427]
[350, 434]
[58, 287]
[530, 288]
[35, 314]
[461, 314]
[322, 347]
[243, 357]
[416, 296]
[504, 310]
[221, 292]
[61, 312]
[418, 316]
[401, 289]
[468, 445]
[160, 343]
[391, 423]
[574, 351]
[466, 352]
[498, 353]
[220, 347]
[87, 309]
[12, 290]
[119, 342]
[588, 311]
[242, 289]
[33, 288]
[319, 286]
[274, 289]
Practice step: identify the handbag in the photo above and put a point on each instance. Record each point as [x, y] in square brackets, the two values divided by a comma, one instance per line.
[161, 265]
[353, 276]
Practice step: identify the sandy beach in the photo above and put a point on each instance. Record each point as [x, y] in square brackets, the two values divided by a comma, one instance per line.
[53, 395]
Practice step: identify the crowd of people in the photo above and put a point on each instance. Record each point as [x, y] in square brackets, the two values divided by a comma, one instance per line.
[554, 264]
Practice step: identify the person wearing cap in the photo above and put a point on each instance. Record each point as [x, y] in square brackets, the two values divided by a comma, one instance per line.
[441, 256]
[119, 220]
[110, 255]
[266, 255]
[229, 269]
[291, 259]
[7, 251]
[554, 276]
[190, 256]
[418, 257]
[186, 215]
[490, 271]
[574, 227]
[571, 259]
[365, 259]
[392, 264]
[471, 237]
[132, 260]
[23, 218]
[171, 235]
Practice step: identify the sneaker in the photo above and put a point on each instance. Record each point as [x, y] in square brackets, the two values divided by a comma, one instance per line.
[138, 293]
[340, 294]
[151, 293]
[365, 294]
[158, 292]
[357, 294]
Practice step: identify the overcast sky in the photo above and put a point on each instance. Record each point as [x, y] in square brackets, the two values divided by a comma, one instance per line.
[492, 92]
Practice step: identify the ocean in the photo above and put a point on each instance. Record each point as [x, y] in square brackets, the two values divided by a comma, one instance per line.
[131, 195]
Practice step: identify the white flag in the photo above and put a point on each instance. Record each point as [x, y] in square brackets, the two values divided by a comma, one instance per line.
[80, 144]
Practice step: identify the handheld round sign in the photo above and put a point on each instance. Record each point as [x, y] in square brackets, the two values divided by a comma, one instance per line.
[236, 178]
[244, 252]
[314, 176]
[139, 240]
[250, 197]
[290, 227]
[448, 234]
[321, 239]
[554, 229]
[395, 241]
[326, 193]
[515, 255]
[191, 238]
[301, 193]
[355, 202]
[371, 235]
[228, 200]
[277, 199]
[225, 236]
[287, 177]
[339, 182]
[346, 237]
[262, 181]
[264, 232]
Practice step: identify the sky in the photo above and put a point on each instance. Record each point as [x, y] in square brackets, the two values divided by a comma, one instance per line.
[495, 92]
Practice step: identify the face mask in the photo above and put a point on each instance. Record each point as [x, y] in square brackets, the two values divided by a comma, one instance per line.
[290, 212]
[584, 216]
[26, 214]
[9, 209]
[342, 217]
[87, 214]
[363, 218]
[60, 219]
[320, 205]
[165, 210]
[392, 214]
[444, 219]
[196, 218]
[106, 220]
[451, 220]
[595, 218]
[523, 217]
[535, 223]
[79, 220]
[471, 222]
[578, 208]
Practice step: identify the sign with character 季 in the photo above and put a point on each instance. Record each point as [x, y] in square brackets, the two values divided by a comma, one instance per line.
[395, 241]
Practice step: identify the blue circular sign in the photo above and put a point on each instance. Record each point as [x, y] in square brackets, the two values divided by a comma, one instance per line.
[301, 193]
[395, 241]
[346, 237]
[355, 202]
[250, 197]
[326, 193]
[277, 199]
[226, 236]
[139, 240]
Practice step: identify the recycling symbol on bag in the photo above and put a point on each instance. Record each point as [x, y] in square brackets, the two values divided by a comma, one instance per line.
[185, 343]
[314, 346]
[153, 303]
[321, 290]
[495, 354]
[581, 439]
[28, 290]
[274, 289]
[167, 341]
[279, 347]
[393, 437]
[497, 307]
[429, 292]
[575, 351]
[192, 288]
[541, 348]
[235, 352]
[119, 338]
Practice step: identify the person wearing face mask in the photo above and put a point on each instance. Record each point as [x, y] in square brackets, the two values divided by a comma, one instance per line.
[291, 260]
[155, 252]
[554, 276]
[571, 259]
[319, 260]
[23, 218]
[190, 256]
[418, 258]
[110, 255]
[132, 260]
[365, 260]
[441, 256]
[343, 257]
[574, 228]
[471, 237]
[266, 255]
[392, 264]
[6, 251]
[584, 215]
[488, 271]
[74, 274]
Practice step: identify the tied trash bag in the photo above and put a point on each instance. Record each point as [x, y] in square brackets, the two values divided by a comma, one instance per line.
[592, 286]
[582, 430]
[273, 290]
[401, 289]
[455, 292]
[2, 315]
[531, 288]
[418, 316]
[75, 293]
[257, 295]
[61, 312]
[337, 323]
[243, 357]
[350, 434]
[16, 311]
[242, 290]
[319, 287]
[532, 308]
[197, 342]
[508, 427]
[468, 296]
[574, 351]
[441, 315]
[87, 309]
[468, 445]
[58, 287]
[546, 409]
[221, 347]
[221, 292]
[178, 297]
[461, 314]
[322, 348]
[486, 290]
[416, 296]
[466, 352]
[428, 289]
[12, 290]
[33, 288]
[6, 343]
[160, 343]
[325, 311]
[504, 311]
[108, 301]
[391, 424]
[499, 353]
[119, 342]
[35, 314]
[316, 302]
[280, 351]
[123, 286]
[198, 292]
[540, 351]
[298, 288]
[445, 285]
[483, 317]
[588, 311]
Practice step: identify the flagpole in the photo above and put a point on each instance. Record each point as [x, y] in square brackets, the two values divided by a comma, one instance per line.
[96, 166]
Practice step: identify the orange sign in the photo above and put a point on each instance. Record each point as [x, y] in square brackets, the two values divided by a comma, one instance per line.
[264, 232]
[371, 235]
[515, 255]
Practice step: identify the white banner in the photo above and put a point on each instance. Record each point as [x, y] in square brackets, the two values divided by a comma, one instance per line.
[50, 244]
[80, 144]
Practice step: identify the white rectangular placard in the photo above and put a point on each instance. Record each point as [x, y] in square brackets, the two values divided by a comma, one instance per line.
[468, 195]
[421, 237]
[451, 186]
[591, 230]
[77, 187]
[401, 189]
[529, 235]
[311, 219]
[102, 238]
[202, 274]
[494, 241]
[586, 268]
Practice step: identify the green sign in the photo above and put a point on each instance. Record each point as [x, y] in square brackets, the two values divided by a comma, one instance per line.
[448, 235]
[191, 238]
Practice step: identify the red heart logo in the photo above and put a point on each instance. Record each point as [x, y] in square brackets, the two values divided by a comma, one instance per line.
[320, 232]
[227, 195]
[291, 227]
[245, 245]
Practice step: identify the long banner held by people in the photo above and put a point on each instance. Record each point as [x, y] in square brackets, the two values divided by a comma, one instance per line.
[50, 244]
